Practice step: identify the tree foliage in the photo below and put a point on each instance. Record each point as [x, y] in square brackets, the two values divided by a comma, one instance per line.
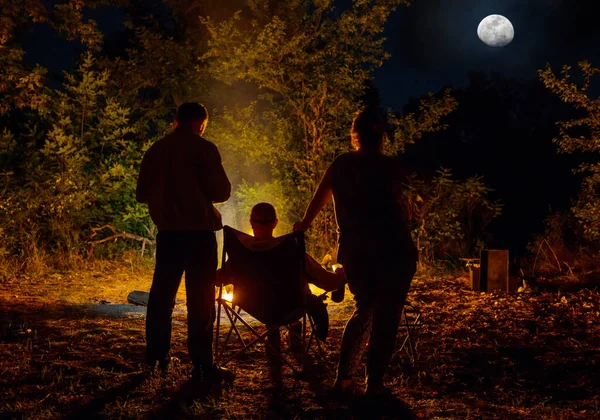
[449, 216]
[311, 64]
[77, 166]
[411, 126]
[282, 81]
[580, 135]
[71, 152]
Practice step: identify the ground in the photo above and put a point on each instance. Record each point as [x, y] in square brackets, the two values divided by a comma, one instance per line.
[71, 346]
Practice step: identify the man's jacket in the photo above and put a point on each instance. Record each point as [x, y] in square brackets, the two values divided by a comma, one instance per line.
[180, 179]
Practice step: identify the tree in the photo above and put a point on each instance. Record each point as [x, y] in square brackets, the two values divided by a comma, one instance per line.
[42, 157]
[580, 135]
[282, 81]
[310, 64]
[70, 151]
[427, 118]
[449, 217]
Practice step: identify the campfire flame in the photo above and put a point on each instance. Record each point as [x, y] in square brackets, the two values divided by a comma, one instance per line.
[228, 293]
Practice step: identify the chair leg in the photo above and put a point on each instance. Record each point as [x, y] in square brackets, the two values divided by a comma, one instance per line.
[311, 337]
[231, 329]
[416, 323]
[233, 315]
[233, 324]
[260, 337]
[320, 350]
[304, 347]
[407, 343]
[216, 351]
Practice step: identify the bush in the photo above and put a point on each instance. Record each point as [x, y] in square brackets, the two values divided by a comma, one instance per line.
[449, 217]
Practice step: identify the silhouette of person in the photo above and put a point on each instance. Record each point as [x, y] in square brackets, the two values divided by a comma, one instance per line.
[180, 179]
[263, 219]
[375, 247]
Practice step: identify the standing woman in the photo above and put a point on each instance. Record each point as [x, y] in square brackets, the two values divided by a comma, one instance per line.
[375, 248]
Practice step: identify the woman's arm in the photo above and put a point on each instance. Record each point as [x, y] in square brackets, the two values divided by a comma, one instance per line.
[319, 200]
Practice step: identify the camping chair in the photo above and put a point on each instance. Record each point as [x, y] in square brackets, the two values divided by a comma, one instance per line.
[267, 285]
[410, 321]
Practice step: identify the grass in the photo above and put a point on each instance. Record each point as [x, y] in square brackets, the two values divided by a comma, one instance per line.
[481, 355]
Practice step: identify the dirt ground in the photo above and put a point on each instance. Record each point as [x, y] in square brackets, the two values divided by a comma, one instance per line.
[72, 347]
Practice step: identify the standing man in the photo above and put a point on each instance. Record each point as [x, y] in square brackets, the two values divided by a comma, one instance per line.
[180, 179]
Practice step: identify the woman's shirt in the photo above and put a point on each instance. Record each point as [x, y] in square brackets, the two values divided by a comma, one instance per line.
[367, 210]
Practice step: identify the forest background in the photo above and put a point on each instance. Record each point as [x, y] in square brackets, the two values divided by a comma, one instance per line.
[282, 81]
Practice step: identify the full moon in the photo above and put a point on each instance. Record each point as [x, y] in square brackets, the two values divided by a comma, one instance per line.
[496, 31]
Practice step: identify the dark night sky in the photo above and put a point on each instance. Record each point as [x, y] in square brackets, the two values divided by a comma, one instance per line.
[434, 43]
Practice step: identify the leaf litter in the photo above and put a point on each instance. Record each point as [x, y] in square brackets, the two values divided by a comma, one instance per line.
[479, 355]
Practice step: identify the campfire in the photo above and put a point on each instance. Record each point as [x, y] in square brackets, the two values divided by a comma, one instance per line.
[227, 293]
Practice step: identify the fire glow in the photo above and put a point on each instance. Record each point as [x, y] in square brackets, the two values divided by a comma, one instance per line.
[228, 289]
[228, 293]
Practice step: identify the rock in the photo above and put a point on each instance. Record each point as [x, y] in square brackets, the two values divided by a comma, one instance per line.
[138, 298]
[141, 298]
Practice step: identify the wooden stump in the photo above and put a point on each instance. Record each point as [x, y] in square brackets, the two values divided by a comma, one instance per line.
[494, 270]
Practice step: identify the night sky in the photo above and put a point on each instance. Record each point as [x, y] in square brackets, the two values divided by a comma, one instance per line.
[434, 43]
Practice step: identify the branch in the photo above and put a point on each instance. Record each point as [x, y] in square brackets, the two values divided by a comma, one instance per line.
[116, 235]
[544, 241]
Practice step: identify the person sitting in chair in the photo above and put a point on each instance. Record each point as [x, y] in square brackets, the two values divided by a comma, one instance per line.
[263, 219]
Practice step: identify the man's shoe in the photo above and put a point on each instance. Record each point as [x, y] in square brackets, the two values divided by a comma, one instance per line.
[214, 375]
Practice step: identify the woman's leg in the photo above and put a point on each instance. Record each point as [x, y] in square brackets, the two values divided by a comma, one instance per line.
[386, 317]
[387, 310]
[357, 330]
[354, 340]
